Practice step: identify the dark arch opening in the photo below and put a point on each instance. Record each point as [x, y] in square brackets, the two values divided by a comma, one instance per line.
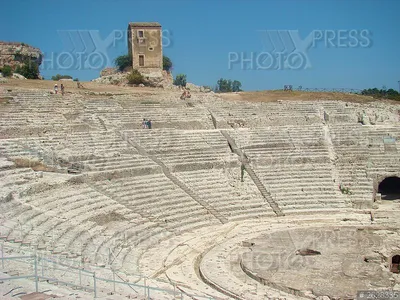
[395, 264]
[389, 188]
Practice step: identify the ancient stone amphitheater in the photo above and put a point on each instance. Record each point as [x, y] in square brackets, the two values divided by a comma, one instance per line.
[218, 200]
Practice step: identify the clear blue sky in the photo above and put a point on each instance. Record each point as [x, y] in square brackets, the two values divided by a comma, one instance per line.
[199, 35]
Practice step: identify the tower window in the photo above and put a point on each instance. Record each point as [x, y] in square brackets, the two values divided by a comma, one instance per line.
[141, 60]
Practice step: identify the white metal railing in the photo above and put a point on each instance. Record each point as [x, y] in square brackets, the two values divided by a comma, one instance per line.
[73, 274]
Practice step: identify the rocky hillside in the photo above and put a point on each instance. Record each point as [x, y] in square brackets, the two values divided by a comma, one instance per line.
[14, 54]
[161, 78]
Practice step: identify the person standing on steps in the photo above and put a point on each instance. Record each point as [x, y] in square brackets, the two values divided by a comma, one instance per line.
[241, 172]
[56, 88]
[149, 124]
[62, 89]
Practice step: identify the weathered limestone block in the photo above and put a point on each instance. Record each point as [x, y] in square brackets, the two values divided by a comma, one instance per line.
[108, 72]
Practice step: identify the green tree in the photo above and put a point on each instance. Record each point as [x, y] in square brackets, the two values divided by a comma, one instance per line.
[135, 77]
[392, 92]
[227, 85]
[236, 86]
[6, 71]
[180, 80]
[29, 70]
[382, 93]
[224, 85]
[167, 63]
[123, 61]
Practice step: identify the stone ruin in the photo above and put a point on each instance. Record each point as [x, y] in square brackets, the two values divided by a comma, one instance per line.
[198, 203]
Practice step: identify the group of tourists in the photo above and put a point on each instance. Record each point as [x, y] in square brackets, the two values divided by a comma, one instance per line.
[61, 88]
[146, 124]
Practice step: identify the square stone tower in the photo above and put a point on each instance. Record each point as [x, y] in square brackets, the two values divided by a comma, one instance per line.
[145, 46]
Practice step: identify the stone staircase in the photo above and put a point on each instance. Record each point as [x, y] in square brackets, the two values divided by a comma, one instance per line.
[302, 188]
[263, 190]
[224, 190]
[185, 150]
[178, 182]
[239, 114]
[252, 174]
[183, 178]
[363, 157]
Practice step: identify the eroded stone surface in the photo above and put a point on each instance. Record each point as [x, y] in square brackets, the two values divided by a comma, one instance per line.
[340, 271]
[173, 204]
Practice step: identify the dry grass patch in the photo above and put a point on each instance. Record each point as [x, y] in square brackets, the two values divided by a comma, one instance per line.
[271, 96]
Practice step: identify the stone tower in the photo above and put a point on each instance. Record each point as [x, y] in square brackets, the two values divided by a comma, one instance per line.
[145, 46]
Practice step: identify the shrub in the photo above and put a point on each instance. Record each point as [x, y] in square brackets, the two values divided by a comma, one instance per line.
[167, 63]
[382, 93]
[29, 70]
[23, 58]
[135, 77]
[76, 79]
[123, 61]
[7, 71]
[180, 80]
[58, 77]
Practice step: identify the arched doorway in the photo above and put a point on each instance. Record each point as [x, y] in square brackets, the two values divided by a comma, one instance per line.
[394, 266]
[389, 188]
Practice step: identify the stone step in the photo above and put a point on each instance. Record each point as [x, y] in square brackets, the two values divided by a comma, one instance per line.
[12, 273]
